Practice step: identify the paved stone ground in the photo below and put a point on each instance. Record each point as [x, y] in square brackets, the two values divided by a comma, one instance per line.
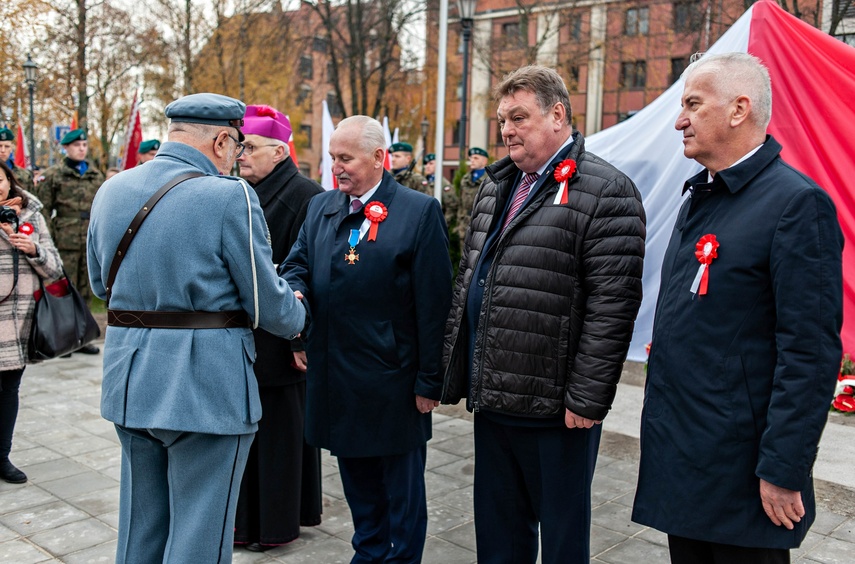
[68, 510]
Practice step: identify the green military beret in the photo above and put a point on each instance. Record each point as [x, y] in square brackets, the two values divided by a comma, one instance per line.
[401, 148]
[208, 109]
[148, 146]
[429, 157]
[478, 151]
[73, 135]
[6, 134]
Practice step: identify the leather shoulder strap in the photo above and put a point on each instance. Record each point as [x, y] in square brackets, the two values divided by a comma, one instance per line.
[131, 232]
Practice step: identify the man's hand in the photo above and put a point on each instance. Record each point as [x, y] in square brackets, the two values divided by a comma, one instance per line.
[425, 405]
[573, 421]
[298, 294]
[782, 506]
[299, 361]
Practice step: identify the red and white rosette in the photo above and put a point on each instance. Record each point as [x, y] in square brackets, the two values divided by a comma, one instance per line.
[26, 228]
[563, 173]
[376, 212]
[706, 249]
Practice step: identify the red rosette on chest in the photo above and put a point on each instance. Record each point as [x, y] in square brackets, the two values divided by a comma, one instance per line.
[706, 249]
[26, 228]
[376, 213]
[565, 170]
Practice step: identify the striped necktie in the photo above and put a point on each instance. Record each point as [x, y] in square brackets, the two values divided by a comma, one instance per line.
[522, 193]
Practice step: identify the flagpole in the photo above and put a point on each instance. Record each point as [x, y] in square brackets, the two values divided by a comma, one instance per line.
[439, 142]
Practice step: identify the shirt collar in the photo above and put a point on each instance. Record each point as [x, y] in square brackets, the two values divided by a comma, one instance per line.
[745, 157]
[567, 143]
[368, 195]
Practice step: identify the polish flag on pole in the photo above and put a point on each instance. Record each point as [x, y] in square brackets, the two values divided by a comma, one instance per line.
[388, 162]
[133, 137]
[395, 138]
[811, 76]
[22, 158]
[327, 128]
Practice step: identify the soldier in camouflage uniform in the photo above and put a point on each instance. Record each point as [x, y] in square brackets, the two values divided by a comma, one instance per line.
[66, 190]
[469, 186]
[449, 195]
[22, 175]
[402, 168]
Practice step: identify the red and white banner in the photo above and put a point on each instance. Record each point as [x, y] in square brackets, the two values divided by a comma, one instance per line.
[812, 91]
[133, 137]
[388, 163]
[22, 152]
[327, 128]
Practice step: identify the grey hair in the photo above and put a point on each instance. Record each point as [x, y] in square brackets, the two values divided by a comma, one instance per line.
[545, 83]
[739, 74]
[197, 131]
[370, 132]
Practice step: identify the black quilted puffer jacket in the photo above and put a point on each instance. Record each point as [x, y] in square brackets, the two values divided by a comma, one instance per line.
[560, 298]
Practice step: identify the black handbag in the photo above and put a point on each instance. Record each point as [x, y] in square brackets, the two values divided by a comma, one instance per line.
[61, 322]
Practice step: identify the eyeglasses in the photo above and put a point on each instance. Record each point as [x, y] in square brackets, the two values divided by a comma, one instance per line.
[250, 149]
[240, 146]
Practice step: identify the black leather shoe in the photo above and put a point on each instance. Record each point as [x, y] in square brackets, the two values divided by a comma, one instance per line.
[257, 547]
[10, 474]
[89, 349]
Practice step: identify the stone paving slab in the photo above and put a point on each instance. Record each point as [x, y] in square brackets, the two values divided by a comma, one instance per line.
[68, 511]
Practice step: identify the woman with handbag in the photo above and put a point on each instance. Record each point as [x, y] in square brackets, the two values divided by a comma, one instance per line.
[27, 253]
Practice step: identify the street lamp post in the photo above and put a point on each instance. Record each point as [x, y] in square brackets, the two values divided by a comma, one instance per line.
[465, 9]
[30, 71]
[425, 126]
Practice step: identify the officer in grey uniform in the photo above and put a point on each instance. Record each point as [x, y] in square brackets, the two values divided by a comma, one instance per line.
[178, 357]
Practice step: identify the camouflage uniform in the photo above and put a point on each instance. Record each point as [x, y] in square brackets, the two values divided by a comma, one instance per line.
[67, 197]
[449, 198]
[413, 180]
[23, 176]
[468, 190]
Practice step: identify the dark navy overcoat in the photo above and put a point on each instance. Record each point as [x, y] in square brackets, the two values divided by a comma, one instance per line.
[375, 338]
[740, 379]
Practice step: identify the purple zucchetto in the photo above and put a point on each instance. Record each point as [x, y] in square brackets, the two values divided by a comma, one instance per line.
[267, 122]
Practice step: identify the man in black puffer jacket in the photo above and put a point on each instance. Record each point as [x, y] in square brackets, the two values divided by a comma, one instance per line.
[544, 306]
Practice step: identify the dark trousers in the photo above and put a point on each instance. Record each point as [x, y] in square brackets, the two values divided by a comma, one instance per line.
[386, 495]
[281, 486]
[10, 381]
[530, 476]
[691, 551]
[178, 495]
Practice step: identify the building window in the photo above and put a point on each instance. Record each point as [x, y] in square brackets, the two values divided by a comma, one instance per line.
[637, 21]
[330, 73]
[514, 34]
[319, 44]
[304, 94]
[307, 69]
[334, 105]
[686, 17]
[633, 74]
[575, 25]
[307, 131]
[573, 83]
[499, 139]
[455, 133]
[677, 68]
[511, 29]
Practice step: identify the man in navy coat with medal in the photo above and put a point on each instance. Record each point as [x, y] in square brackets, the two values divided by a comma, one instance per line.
[746, 341]
[372, 263]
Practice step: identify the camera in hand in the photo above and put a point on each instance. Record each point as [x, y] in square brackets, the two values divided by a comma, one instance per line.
[8, 215]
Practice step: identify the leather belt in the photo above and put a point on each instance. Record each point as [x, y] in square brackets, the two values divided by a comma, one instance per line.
[178, 319]
[73, 214]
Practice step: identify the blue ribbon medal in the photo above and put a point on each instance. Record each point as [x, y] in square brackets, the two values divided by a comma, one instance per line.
[351, 257]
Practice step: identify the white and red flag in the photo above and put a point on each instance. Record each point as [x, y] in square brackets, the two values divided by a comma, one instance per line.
[812, 91]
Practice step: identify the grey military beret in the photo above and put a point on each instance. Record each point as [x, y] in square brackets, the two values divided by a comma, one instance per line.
[208, 109]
